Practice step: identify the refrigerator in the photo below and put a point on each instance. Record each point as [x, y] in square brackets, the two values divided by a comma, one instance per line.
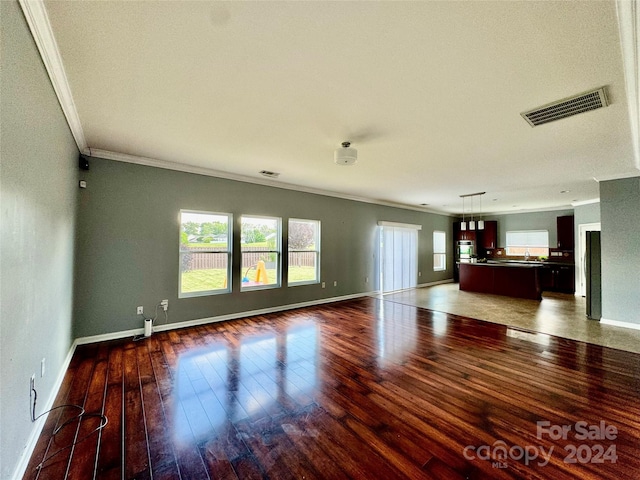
[593, 276]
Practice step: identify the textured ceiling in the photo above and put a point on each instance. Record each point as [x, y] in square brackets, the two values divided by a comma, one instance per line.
[430, 93]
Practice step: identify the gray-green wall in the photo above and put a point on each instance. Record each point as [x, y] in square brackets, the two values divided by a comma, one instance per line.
[38, 175]
[620, 221]
[528, 221]
[129, 234]
[589, 213]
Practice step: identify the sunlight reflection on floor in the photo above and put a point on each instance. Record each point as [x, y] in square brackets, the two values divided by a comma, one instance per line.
[557, 314]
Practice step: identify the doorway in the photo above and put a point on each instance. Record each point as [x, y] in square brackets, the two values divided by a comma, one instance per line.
[581, 279]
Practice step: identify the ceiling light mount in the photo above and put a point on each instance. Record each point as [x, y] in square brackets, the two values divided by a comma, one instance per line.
[346, 155]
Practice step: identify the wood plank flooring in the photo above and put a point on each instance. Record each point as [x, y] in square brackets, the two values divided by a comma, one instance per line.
[359, 389]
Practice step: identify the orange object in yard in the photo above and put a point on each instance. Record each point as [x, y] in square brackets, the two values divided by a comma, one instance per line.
[261, 273]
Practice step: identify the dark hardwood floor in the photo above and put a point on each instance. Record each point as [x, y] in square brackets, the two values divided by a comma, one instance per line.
[365, 389]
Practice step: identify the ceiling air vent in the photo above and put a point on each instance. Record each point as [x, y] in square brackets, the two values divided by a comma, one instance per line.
[269, 174]
[566, 108]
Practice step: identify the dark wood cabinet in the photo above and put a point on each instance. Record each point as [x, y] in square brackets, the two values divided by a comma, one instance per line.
[462, 234]
[520, 281]
[489, 235]
[558, 278]
[565, 232]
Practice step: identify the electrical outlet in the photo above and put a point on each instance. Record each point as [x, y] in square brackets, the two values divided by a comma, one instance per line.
[419, 274]
[165, 304]
[324, 284]
[42, 369]
[366, 279]
[335, 283]
[140, 310]
[32, 382]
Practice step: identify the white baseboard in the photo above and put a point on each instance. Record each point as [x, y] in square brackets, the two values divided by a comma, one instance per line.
[617, 323]
[105, 337]
[38, 425]
[220, 318]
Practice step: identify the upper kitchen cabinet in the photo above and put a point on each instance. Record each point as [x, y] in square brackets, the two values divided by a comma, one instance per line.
[565, 232]
[463, 234]
[490, 235]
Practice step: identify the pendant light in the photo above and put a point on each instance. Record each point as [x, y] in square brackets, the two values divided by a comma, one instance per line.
[463, 224]
[480, 222]
[472, 224]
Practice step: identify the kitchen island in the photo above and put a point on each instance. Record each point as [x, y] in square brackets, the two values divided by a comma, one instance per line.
[520, 280]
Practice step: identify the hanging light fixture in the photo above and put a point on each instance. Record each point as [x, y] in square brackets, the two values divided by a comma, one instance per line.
[472, 222]
[480, 222]
[463, 224]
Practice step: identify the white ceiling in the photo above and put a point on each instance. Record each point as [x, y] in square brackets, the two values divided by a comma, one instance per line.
[430, 93]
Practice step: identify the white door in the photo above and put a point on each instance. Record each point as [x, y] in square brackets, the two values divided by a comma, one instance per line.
[581, 280]
[398, 258]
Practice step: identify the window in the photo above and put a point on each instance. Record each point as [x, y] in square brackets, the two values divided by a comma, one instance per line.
[536, 242]
[439, 251]
[304, 252]
[205, 253]
[260, 247]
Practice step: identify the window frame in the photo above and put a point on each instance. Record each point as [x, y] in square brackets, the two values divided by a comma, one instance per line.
[508, 247]
[277, 252]
[438, 254]
[316, 251]
[229, 252]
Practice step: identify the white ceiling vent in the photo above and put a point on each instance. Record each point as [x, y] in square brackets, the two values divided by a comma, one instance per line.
[566, 108]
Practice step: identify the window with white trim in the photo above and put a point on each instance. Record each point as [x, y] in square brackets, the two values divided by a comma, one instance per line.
[532, 242]
[260, 247]
[205, 253]
[439, 251]
[304, 252]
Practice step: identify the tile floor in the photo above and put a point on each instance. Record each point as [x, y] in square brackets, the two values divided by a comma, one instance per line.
[558, 314]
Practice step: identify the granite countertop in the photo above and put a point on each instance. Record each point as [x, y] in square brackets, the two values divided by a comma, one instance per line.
[530, 262]
[522, 264]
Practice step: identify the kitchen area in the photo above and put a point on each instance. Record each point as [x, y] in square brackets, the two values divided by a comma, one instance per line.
[518, 263]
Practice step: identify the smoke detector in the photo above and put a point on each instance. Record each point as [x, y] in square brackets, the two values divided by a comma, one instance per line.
[345, 155]
[567, 107]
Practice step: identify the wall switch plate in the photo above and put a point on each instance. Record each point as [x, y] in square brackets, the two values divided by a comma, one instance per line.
[335, 283]
[140, 310]
[324, 284]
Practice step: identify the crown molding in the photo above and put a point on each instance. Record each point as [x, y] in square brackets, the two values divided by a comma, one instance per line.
[527, 210]
[181, 167]
[628, 26]
[36, 15]
[617, 176]
[585, 202]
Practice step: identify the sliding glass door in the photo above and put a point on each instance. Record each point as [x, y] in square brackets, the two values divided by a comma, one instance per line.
[398, 258]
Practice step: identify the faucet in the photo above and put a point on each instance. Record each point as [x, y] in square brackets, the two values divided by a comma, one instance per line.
[526, 255]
